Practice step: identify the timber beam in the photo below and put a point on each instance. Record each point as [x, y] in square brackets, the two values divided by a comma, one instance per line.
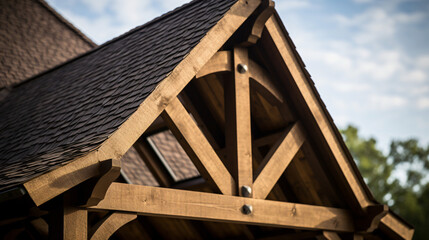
[222, 61]
[154, 201]
[277, 160]
[68, 223]
[283, 45]
[110, 224]
[49, 185]
[110, 172]
[258, 26]
[396, 228]
[238, 121]
[374, 214]
[197, 147]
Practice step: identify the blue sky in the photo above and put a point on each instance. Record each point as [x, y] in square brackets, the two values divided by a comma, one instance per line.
[368, 58]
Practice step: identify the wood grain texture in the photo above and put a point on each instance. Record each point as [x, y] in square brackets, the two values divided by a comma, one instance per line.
[197, 147]
[156, 167]
[112, 170]
[401, 230]
[109, 225]
[223, 61]
[242, 147]
[220, 62]
[264, 84]
[153, 201]
[285, 50]
[277, 160]
[51, 184]
[69, 223]
[259, 24]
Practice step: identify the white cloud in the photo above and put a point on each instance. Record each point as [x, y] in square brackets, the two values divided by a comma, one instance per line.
[287, 5]
[420, 90]
[133, 12]
[423, 103]
[414, 76]
[409, 17]
[170, 4]
[110, 18]
[337, 60]
[351, 87]
[377, 23]
[387, 102]
[98, 6]
[423, 61]
[356, 60]
[100, 29]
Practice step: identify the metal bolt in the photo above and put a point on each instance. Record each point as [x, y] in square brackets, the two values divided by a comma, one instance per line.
[247, 209]
[242, 68]
[246, 191]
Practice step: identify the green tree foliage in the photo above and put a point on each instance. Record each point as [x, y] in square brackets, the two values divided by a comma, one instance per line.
[399, 179]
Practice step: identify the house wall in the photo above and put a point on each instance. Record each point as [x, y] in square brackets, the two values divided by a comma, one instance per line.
[34, 38]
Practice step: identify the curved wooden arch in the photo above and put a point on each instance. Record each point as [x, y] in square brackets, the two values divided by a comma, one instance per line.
[111, 170]
[109, 225]
[259, 24]
[222, 62]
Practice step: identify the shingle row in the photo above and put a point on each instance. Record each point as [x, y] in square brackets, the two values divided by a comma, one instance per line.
[72, 109]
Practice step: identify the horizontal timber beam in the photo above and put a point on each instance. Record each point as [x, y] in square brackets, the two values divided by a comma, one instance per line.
[154, 201]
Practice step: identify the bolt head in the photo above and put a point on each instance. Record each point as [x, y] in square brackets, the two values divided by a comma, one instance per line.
[242, 68]
[247, 209]
[246, 191]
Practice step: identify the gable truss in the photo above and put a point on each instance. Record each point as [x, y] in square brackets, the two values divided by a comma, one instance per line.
[247, 208]
[243, 194]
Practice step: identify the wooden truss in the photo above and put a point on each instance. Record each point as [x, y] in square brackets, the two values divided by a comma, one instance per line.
[243, 195]
[242, 192]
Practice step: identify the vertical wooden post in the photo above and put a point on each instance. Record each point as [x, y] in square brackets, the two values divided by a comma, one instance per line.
[68, 223]
[238, 125]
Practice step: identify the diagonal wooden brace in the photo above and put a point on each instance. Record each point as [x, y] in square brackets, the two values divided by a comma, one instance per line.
[110, 170]
[258, 26]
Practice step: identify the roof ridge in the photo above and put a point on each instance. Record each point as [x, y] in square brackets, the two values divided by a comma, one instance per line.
[98, 47]
[68, 24]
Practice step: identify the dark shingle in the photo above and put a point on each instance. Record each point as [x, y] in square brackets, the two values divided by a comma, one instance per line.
[65, 106]
[34, 38]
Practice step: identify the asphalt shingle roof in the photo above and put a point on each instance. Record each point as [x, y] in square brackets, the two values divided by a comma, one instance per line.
[34, 38]
[70, 110]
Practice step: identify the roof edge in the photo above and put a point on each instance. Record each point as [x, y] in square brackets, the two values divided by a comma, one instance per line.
[337, 133]
[51, 184]
[96, 47]
[307, 77]
[68, 24]
[12, 194]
